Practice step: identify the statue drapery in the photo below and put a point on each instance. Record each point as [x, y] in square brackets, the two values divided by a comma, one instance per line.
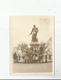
[34, 34]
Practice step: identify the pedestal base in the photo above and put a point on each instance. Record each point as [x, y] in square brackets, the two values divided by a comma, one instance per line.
[35, 47]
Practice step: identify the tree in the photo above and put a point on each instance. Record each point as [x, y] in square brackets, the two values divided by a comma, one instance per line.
[23, 47]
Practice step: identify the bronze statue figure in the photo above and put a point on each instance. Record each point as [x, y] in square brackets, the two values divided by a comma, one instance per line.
[34, 34]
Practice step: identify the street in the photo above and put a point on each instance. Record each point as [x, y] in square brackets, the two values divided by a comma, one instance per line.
[32, 68]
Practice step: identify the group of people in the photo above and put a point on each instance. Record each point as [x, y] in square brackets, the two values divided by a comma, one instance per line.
[34, 58]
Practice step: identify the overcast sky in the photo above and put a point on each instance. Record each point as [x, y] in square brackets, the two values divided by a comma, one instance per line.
[21, 27]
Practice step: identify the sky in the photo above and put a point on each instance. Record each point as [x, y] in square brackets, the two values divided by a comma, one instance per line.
[21, 26]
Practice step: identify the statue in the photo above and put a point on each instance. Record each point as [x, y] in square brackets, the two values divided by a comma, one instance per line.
[34, 34]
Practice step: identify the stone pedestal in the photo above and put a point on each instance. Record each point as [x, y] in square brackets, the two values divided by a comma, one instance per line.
[35, 51]
[35, 47]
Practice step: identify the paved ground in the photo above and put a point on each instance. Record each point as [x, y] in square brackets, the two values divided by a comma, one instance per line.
[26, 68]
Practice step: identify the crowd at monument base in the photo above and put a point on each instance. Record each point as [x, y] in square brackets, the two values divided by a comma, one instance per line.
[33, 54]
[36, 53]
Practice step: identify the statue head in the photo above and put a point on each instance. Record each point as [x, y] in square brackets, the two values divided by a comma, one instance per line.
[34, 26]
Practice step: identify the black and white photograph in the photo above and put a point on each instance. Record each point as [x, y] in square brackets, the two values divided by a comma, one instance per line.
[31, 43]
